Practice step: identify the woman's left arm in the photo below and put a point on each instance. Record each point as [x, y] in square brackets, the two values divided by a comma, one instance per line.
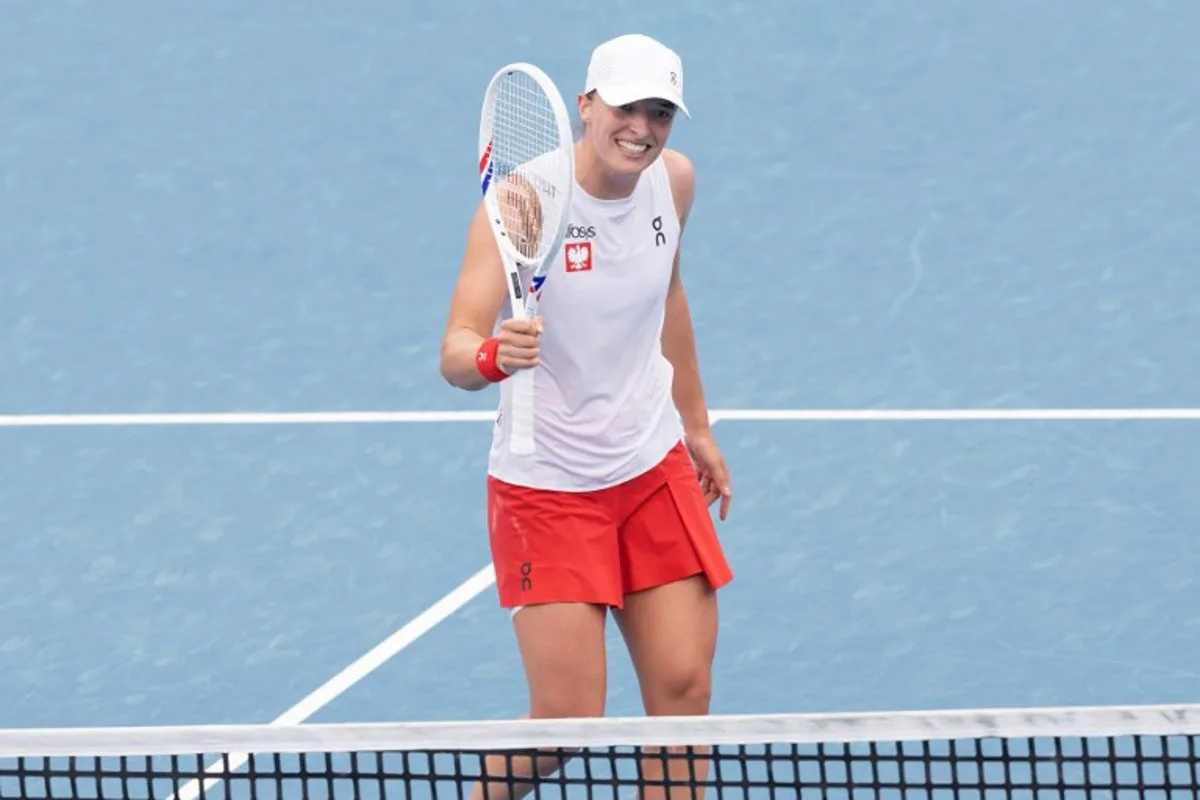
[679, 347]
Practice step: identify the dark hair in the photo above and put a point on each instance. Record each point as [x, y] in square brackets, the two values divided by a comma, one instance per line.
[580, 125]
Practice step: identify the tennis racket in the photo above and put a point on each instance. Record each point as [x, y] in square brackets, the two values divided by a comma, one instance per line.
[526, 172]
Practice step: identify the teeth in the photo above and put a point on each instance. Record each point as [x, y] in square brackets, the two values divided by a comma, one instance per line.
[630, 147]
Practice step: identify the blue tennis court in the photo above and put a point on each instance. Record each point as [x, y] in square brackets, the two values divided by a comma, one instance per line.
[232, 207]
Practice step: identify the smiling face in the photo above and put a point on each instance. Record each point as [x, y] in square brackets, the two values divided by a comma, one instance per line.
[626, 139]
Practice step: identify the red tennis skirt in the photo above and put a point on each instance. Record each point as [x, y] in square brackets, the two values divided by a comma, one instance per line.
[599, 546]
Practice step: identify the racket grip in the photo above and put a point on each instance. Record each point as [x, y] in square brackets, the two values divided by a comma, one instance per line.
[520, 441]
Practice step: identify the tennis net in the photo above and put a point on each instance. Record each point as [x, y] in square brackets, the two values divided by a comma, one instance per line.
[1109, 752]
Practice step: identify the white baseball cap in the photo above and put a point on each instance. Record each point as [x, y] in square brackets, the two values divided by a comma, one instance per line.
[635, 67]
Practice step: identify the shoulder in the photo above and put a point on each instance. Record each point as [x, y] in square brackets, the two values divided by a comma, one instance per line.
[681, 173]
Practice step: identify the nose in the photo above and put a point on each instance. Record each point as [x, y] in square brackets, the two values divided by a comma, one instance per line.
[639, 122]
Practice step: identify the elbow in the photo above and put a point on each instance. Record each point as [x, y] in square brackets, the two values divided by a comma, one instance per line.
[458, 381]
[445, 368]
[449, 373]
[459, 375]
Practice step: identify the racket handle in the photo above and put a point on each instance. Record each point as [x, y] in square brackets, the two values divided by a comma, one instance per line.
[521, 439]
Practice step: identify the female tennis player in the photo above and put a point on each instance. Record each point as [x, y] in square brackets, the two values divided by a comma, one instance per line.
[612, 511]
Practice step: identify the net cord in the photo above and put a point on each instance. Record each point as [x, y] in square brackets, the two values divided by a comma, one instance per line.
[898, 726]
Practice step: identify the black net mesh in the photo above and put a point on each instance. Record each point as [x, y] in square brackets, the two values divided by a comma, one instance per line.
[1108, 753]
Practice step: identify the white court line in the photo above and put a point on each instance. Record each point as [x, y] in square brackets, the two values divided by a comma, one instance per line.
[960, 414]
[240, 418]
[744, 415]
[322, 696]
[368, 663]
[485, 577]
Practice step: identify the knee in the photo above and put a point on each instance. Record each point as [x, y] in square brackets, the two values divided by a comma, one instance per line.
[684, 687]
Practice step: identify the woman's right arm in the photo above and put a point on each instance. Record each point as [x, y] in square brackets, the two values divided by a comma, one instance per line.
[476, 303]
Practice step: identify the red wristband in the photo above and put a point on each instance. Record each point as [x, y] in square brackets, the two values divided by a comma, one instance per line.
[485, 361]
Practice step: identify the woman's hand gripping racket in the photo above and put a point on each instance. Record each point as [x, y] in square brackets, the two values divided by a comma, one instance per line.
[527, 172]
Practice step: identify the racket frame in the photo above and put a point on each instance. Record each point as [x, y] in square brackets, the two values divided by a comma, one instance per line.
[523, 299]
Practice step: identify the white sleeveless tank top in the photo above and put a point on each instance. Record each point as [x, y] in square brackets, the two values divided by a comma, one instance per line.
[604, 411]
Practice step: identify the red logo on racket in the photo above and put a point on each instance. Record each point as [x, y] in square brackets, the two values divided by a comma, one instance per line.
[579, 257]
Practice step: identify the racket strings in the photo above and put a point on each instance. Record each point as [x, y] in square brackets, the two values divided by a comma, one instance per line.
[525, 139]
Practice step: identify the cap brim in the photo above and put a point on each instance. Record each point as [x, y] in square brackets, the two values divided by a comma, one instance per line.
[621, 95]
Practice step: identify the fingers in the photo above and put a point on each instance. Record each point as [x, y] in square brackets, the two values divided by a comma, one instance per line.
[522, 327]
[518, 344]
[725, 492]
[716, 486]
[521, 213]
